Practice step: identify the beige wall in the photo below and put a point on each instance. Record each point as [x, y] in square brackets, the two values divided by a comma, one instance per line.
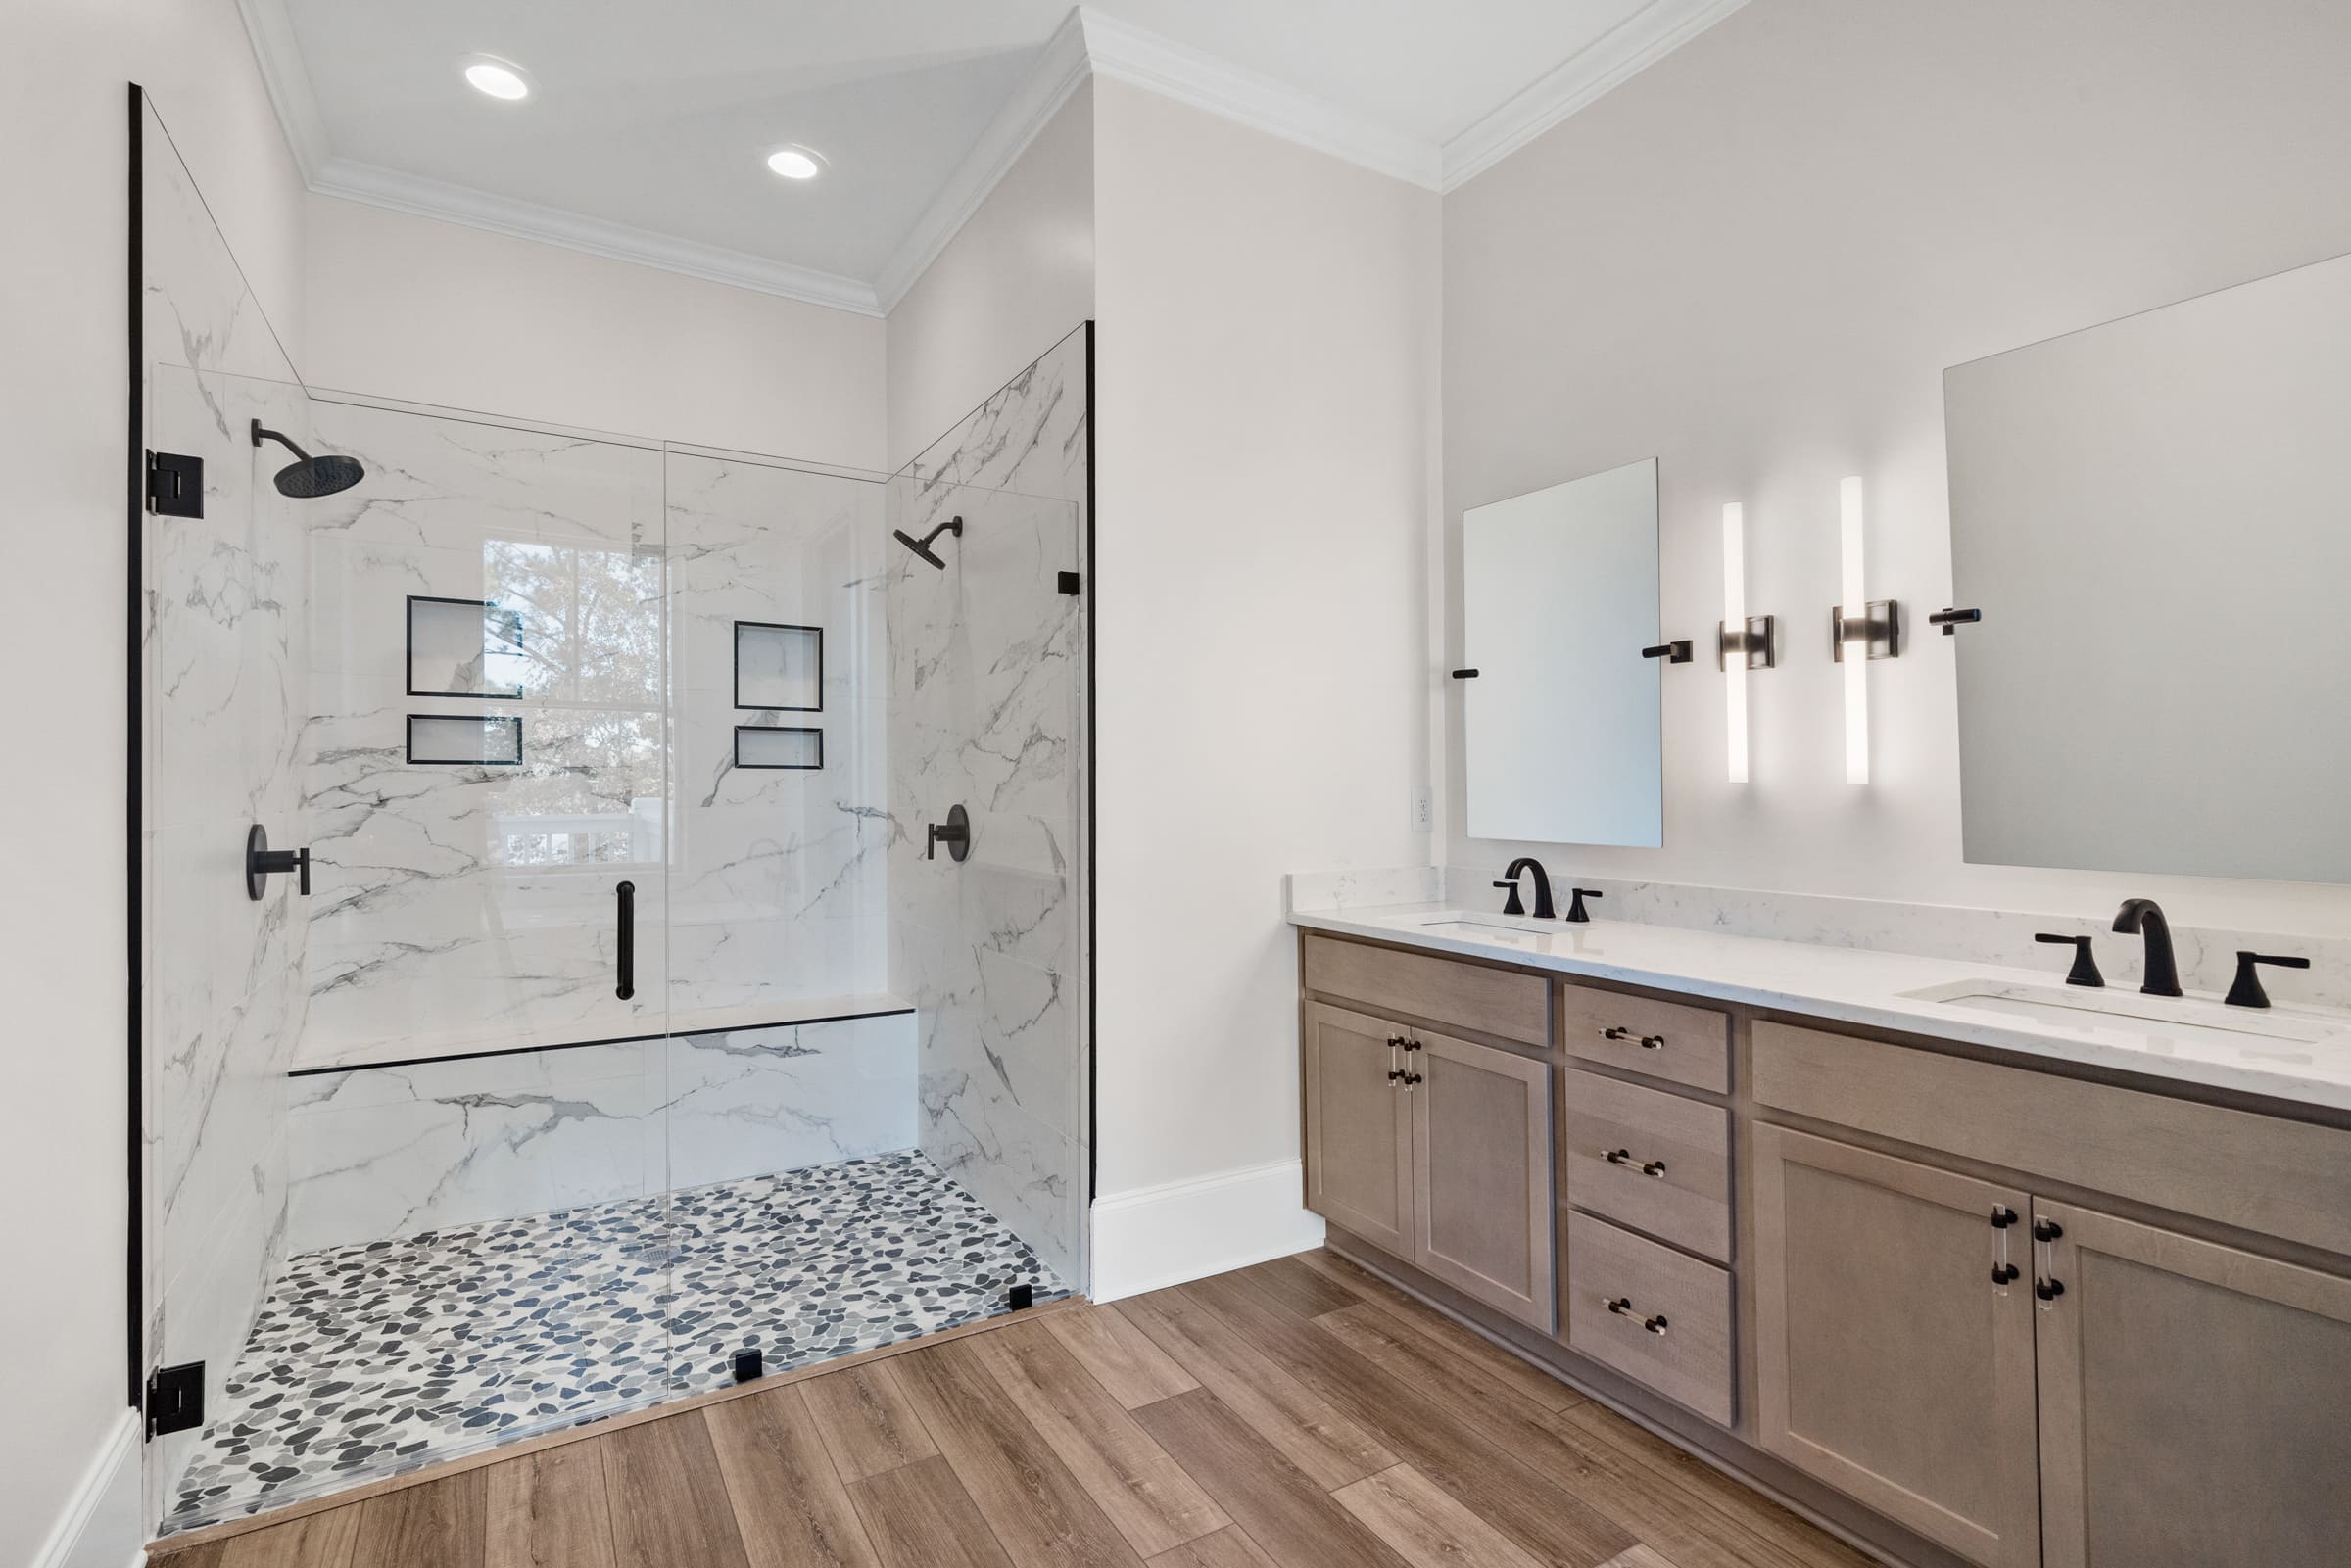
[416, 309]
[1266, 372]
[1015, 279]
[64, 147]
[1753, 261]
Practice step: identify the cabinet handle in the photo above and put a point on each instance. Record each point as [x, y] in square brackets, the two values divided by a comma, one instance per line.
[2046, 1230]
[2003, 1273]
[1647, 1167]
[1622, 1306]
[1648, 1042]
[1410, 1078]
[2049, 1290]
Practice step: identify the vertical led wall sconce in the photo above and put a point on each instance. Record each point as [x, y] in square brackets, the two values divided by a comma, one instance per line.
[1859, 629]
[1742, 643]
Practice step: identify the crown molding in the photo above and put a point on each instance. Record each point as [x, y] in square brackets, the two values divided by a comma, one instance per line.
[1059, 71]
[419, 197]
[1127, 53]
[1623, 51]
[279, 56]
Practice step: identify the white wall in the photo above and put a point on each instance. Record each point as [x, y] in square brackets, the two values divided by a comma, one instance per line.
[63, 159]
[1265, 363]
[1015, 279]
[1753, 261]
[416, 309]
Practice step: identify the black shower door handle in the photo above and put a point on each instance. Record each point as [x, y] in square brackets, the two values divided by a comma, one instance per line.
[627, 988]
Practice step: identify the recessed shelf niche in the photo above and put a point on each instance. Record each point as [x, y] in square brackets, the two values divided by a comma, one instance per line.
[759, 745]
[470, 740]
[778, 667]
[464, 647]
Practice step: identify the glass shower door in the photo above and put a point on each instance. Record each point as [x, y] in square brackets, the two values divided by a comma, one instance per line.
[447, 684]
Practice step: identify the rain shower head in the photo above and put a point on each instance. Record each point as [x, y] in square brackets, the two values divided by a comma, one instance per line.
[310, 477]
[921, 547]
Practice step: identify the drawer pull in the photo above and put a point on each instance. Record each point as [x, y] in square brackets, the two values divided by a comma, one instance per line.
[1648, 1042]
[1647, 1167]
[1622, 1306]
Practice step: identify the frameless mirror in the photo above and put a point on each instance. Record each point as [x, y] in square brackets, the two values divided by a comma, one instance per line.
[2153, 517]
[1558, 596]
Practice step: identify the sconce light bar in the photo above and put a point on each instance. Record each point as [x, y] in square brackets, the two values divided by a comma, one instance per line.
[1854, 611]
[1734, 613]
[1880, 631]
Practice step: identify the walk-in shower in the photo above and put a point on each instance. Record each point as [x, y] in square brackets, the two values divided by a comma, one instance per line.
[612, 1022]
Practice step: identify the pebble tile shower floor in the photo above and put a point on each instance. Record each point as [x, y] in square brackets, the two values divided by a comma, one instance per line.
[370, 1359]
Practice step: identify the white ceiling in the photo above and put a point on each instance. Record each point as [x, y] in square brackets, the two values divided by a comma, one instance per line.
[646, 129]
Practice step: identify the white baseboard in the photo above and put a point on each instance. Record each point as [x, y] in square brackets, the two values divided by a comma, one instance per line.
[100, 1527]
[1159, 1236]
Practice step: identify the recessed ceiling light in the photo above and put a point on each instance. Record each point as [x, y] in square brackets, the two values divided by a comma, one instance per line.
[795, 163]
[499, 78]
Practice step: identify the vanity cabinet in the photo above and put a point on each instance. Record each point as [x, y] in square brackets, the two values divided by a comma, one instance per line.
[1436, 1149]
[2193, 1401]
[1967, 1307]
[1359, 1128]
[1894, 1353]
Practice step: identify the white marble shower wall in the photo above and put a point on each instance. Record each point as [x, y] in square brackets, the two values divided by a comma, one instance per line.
[473, 906]
[392, 1151]
[225, 666]
[777, 893]
[986, 703]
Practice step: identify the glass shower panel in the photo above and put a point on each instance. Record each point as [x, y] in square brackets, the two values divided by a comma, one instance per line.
[986, 655]
[225, 667]
[447, 682]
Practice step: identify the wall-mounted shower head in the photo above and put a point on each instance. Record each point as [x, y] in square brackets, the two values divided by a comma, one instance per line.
[921, 547]
[310, 477]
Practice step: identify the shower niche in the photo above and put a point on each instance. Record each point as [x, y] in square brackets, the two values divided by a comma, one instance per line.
[780, 668]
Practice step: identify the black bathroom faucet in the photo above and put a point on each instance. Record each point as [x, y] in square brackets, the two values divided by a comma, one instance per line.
[1543, 906]
[2139, 916]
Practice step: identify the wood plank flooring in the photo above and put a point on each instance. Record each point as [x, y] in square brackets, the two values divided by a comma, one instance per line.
[1298, 1414]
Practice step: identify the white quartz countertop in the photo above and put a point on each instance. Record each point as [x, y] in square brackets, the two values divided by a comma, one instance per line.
[2288, 1053]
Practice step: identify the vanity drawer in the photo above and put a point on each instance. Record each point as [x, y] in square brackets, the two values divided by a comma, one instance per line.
[1671, 1171]
[1672, 1326]
[2269, 1175]
[1668, 1040]
[1509, 1003]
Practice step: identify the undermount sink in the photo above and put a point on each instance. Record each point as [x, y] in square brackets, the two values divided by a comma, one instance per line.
[1508, 929]
[2186, 1021]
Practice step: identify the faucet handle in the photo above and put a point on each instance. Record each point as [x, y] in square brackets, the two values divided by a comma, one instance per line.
[1510, 905]
[1575, 903]
[2086, 968]
[2246, 990]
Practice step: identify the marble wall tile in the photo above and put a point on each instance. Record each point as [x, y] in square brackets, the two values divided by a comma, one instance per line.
[384, 1152]
[224, 663]
[985, 702]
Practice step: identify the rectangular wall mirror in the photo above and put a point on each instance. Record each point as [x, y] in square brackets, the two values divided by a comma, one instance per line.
[2154, 517]
[1559, 597]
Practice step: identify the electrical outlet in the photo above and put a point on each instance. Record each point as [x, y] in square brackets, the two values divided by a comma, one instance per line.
[1424, 811]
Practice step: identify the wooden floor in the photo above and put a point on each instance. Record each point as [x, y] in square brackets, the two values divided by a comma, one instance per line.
[1300, 1414]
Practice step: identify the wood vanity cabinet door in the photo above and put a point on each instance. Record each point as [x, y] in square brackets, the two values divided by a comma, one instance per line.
[1889, 1364]
[1481, 1167]
[1358, 1128]
[2195, 1401]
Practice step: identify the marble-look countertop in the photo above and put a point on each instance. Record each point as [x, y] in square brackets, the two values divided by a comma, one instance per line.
[1870, 988]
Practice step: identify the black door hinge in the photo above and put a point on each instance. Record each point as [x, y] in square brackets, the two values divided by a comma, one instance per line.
[1021, 1296]
[175, 485]
[175, 1399]
[1069, 583]
[750, 1365]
